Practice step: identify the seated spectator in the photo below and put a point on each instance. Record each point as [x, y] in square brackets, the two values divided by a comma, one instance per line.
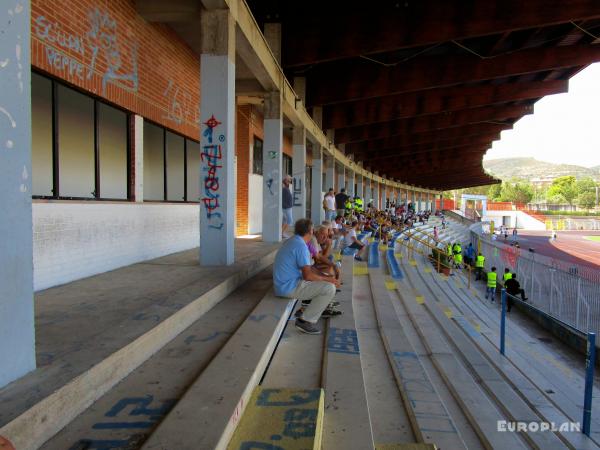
[513, 288]
[352, 241]
[293, 277]
[323, 258]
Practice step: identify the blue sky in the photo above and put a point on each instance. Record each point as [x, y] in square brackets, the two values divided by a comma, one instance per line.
[564, 128]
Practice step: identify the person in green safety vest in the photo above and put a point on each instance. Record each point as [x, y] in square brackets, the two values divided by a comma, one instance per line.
[456, 248]
[449, 251]
[358, 204]
[479, 264]
[458, 259]
[348, 206]
[507, 276]
[492, 278]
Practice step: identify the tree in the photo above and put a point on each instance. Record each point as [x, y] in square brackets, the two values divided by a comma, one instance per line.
[586, 200]
[565, 186]
[494, 192]
[516, 192]
[585, 185]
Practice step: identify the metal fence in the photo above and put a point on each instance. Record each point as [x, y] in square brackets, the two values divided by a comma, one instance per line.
[566, 291]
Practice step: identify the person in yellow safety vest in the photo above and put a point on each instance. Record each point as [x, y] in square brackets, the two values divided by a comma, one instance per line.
[358, 204]
[458, 259]
[457, 248]
[449, 250]
[507, 276]
[348, 205]
[492, 278]
[479, 264]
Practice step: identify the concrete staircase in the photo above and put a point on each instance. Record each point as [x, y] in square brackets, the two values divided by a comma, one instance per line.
[412, 363]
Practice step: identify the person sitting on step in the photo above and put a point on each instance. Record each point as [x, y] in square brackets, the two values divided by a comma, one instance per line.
[293, 277]
[352, 241]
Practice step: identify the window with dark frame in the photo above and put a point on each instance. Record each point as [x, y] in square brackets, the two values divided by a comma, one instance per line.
[257, 156]
[81, 150]
[80, 145]
[287, 165]
[171, 166]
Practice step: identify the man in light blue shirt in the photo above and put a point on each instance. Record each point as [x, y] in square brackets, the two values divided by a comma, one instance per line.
[293, 277]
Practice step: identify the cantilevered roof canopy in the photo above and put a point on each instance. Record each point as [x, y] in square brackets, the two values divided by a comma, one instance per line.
[419, 89]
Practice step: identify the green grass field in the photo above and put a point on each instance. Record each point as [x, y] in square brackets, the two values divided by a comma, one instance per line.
[593, 238]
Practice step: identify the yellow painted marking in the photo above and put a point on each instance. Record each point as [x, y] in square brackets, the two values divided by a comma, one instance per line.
[399, 255]
[427, 270]
[383, 248]
[445, 277]
[360, 270]
[267, 416]
[420, 299]
[448, 313]
[413, 262]
[371, 240]
[405, 447]
[390, 285]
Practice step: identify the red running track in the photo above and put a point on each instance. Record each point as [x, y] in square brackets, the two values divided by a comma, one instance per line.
[570, 246]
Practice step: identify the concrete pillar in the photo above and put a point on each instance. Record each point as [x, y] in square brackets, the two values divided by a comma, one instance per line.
[300, 88]
[273, 38]
[217, 111]
[383, 196]
[317, 115]
[272, 168]
[138, 157]
[17, 337]
[360, 188]
[299, 172]
[350, 181]
[407, 198]
[441, 201]
[376, 202]
[316, 204]
[342, 178]
[330, 173]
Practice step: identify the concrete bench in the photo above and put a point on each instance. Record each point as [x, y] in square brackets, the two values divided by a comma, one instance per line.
[208, 413]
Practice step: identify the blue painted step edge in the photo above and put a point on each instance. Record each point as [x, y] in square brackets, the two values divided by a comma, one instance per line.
[393, 265]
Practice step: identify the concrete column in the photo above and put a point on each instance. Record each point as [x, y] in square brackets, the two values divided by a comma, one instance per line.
[317, 115]
[300, 88]
[17, 337]
[383, 196]
[441, 201]
[299, 172]
[138, 158]
[272, 168]
[407, 198]
[376, 202]
[273, 38]
[316, 204]
[330, 173]
[342, 178]
[217, 111]
[350, 180]
[360, 188]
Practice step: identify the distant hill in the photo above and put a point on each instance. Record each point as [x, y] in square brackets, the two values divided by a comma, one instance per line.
[529, 168]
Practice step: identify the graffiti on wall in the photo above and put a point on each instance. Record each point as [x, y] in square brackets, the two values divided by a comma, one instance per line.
[180, 105]
[79, 56]
[211, 163]
[12, 69]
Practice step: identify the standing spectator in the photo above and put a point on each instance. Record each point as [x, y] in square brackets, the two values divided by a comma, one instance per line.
[435, 234]
[293, 277]
[329, 205]
[287, 204]
[514, 233]
[340, 202]
[479, 264]
[469, 254]
[492, 278]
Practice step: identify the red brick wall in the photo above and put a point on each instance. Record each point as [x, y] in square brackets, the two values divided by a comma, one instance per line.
[106, 48]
